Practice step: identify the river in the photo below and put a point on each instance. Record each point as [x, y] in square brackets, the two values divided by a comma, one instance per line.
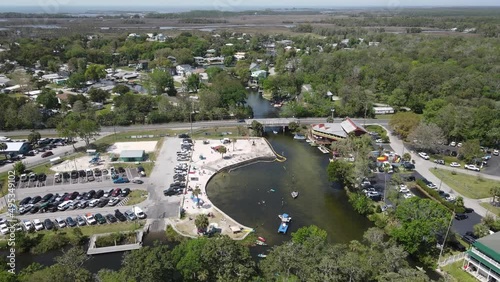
[254, 195]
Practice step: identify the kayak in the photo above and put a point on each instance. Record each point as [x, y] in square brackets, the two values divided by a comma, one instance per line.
[262, 239]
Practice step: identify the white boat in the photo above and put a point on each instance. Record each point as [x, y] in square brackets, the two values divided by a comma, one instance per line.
[285, 218]
[262, 255]
[295, 194]
[299, 137]
[275, 132]
[323, 150]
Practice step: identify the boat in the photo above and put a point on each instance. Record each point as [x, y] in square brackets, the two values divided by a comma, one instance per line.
[283, 227]
[285, 217]
[260, 243]
[299, 137]
[262, 239]
[275, 132]
[285, 220]
[323, 150]
[262, 255]
[295, 194]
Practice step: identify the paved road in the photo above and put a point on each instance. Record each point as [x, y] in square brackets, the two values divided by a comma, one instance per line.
[423, 166]
[160, 206]
[186, 125]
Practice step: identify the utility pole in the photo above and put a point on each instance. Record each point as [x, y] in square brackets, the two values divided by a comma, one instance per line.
[446, 236]
[191, 119]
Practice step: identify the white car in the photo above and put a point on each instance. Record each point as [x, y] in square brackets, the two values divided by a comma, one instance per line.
[453, 144]
[495, 152]
[379, 141]
[61, 223]
[93, 203]
[408, 195]
[90, 219]
[27, 225]
[455, 164]
[4, 229]
[424, 155]
[403, 189]
[38, 225]
[459, 145]
[471, 167]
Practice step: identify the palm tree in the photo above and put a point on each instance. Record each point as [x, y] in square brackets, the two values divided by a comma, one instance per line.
[201, 223]
[234, 142]
[222, 150]
[3, 147]
[196, 193]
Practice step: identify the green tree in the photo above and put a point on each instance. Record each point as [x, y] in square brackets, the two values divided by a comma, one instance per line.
[201, 223]
[257, 129]
[121, 89]
[342, 172]
[293, 127]
[148, 264]
[361, 203]
[95, 72]
[494, 191]
[419, 223]
[30, 115]
[98, 95]
[33, 137]
[193, 82]
[481, 230]
[426, 136]
[303, 234]
[48, 99]
[19, 168]
[222, 150]
[76, 80]
[470, 150]
[197, 193]
[403, 123]
[158, 82]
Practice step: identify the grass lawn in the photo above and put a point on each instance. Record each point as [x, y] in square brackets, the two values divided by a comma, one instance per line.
[447, 159]
[474, 187]
[491, 208]
[376, 128]
[219, 132]
[136, 196]
[457, 273]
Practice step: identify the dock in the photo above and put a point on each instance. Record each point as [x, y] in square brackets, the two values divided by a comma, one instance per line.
[323, 150]
[113, 249]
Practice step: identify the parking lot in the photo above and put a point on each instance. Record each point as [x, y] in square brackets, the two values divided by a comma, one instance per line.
[129, 173]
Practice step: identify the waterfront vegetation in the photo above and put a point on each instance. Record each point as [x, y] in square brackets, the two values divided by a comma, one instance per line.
[115, 239]
[471, 186]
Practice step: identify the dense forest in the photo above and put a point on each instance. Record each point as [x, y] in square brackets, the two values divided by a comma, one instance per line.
[307, 257]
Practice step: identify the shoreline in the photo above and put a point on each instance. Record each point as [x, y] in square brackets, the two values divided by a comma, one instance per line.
[243, 152]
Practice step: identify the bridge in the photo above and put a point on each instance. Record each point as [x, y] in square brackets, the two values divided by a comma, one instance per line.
[273, 121]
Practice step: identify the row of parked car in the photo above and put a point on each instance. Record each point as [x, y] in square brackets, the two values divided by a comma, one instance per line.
[87, 219]
[181, 169]
[55, 202]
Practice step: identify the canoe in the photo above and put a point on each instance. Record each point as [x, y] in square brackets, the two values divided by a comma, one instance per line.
[262, 239]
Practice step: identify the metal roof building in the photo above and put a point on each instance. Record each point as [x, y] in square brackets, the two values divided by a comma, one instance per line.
[132, 155]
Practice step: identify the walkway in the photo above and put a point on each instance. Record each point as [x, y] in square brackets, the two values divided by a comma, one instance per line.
[93, 250]
[423, 166]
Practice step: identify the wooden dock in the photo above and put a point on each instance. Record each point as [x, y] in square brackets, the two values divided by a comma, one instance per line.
[113, 249]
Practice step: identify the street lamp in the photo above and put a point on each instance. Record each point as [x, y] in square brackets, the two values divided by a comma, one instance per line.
[333, 111]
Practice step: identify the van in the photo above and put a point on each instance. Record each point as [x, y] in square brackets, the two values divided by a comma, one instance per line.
[139, 213]
[64, 205]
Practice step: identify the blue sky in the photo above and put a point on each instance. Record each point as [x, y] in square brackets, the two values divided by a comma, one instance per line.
[240, 3]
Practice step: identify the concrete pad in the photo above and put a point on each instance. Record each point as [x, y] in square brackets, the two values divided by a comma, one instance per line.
[147, 146]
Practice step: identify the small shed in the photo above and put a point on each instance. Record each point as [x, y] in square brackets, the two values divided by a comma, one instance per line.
[132, 156]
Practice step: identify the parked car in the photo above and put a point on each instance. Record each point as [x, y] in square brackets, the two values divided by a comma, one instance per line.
[99, 218]
[121, 169]
[61, 223]
[461, 216]
[90, 219]
[139, 212]
[93, 203]
[471, 167]
[441, 162]
[25, 201]
[137, 181]
[80, 221]
[495, 152]
[103, 202]
[108, 193]
[455, 164]
[90, 195]
[424, 155]
[49, 225]
[453, 144]
[111, 218]
[26, 208]
[83, 204]
[71, 222]
[38, 225]
[469, 239]
[119, 215]
[125, 192]
[98, 194]
[130, 215]
[114, 201]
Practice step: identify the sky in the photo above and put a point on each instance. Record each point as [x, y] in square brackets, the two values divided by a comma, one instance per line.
[231, 4]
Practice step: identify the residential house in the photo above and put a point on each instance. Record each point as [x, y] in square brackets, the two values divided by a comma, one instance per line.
[373, 43]
[285, 42]
[203, 77]
[482, 260]
[258, 74]
[239, 56]
[254, 67]
[183, 70]
[51, 77]
[200, 61]
[4, 81]
[142, 65]
[211, 53]
[172, 59]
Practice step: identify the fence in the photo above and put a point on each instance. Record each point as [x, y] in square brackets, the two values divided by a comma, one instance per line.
[452, 259]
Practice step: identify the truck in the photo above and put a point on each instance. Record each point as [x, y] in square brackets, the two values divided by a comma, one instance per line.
[139, 213]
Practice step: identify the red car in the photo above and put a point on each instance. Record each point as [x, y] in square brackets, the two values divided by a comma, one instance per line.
[116, 192]
[47, 154]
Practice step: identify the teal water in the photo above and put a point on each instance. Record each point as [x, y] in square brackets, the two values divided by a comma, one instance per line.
[245, 194]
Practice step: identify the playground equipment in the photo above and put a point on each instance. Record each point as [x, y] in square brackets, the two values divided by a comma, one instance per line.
[95, 160]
